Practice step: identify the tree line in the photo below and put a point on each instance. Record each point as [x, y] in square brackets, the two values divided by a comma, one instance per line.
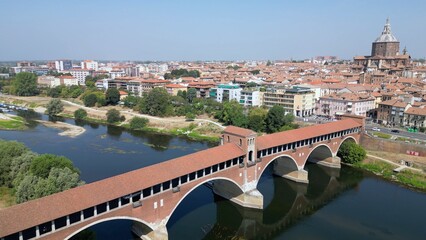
[31, 175]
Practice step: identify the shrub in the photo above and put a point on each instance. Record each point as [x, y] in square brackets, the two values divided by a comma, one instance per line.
[138, 122]
[113, 115]
[90, 100]
[80, 114]
[54, 107]
[350, 152]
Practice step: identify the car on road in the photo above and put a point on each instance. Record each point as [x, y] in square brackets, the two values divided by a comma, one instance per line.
[376, 129]
[395, 130]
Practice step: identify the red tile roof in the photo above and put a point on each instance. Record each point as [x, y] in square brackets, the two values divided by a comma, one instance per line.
[35, 212]
[290, 136]
[243, 132]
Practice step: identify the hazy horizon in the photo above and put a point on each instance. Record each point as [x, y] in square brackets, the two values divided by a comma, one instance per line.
[204, 31]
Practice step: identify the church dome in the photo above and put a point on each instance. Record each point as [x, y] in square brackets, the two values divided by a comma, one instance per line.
[387, 35]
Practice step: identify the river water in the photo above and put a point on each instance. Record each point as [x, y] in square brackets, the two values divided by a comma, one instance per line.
[336, 204]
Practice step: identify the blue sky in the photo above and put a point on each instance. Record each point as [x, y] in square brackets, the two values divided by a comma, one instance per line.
[204, 30]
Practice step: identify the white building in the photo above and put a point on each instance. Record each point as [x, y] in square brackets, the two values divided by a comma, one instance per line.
[226, 92]
[63, 80]
[90, 64]
[80, 74]
[345, 103]
[250, 98]
[63, 65]
[117, 73]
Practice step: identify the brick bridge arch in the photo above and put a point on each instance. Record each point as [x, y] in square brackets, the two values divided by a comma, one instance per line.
[134, 219]
[151, 194]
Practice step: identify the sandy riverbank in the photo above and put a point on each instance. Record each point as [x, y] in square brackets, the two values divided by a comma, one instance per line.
[69, 130]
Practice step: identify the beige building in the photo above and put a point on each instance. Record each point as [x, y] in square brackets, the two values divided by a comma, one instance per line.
[297, 100]
[173, 89]
[415, 117]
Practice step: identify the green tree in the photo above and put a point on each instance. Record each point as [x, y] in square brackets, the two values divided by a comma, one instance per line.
[113, 116]
[274, 119]
[25, 84]
[191, 94]
[20, 166]
[8, 151]
[76, 91]
[26, 189]
[156, 103]
[251, 84]
[90, 100]
[42, 164]
[232, 114]
[112, 96]
[350, 152]
[181, 94]
[54, 107]
[138, 122]
[288, 119]
[80, 114]
[190, 116]
[256, 119]
[255, 72]
[131, 101]
[54, 92]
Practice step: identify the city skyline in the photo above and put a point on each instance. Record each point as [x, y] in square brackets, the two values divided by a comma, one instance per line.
[190, 31]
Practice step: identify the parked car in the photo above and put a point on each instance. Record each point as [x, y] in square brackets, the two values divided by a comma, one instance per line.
[395, 130]
[376, 129]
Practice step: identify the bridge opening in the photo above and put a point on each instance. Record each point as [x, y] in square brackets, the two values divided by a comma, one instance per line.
[279, 195]
[113, 228]
[320, 153]
[199, 207]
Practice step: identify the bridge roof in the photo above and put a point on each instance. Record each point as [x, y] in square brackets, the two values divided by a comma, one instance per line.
[243, 132]
[276, 139]
[42, 210]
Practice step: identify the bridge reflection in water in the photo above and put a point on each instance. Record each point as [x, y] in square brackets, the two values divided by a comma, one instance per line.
[286, 204]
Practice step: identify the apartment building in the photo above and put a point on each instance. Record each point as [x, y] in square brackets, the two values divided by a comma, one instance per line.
[226, 92]
[335, 105]
[297, 100]
[140, 86]
[80, 74]
[391, 112]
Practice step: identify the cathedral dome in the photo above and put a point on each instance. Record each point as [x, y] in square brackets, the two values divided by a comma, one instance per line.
[387, 35]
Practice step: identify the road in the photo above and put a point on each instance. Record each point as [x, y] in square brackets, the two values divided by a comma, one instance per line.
[402, 132]
[369, 128]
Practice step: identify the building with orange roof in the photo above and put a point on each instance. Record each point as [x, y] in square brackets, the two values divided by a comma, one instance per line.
[391, 112]
[337, 104]
[173, 88]
[415, 117]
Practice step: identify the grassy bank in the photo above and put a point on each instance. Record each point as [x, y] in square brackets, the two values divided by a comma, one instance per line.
[405, 177]
[186, 132]
[7, 198]
[13, 123]
[191, 132]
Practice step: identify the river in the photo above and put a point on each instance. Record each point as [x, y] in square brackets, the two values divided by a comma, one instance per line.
[336, 204]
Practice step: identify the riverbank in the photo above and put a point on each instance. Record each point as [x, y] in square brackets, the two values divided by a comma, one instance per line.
[415, 180]
[11, 122]
[205, 129]
[68, 130]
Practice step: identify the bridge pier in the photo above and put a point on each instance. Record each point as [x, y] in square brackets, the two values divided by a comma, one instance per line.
[250, 198]
[332, 162]
[146, 233]
[296, 175]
